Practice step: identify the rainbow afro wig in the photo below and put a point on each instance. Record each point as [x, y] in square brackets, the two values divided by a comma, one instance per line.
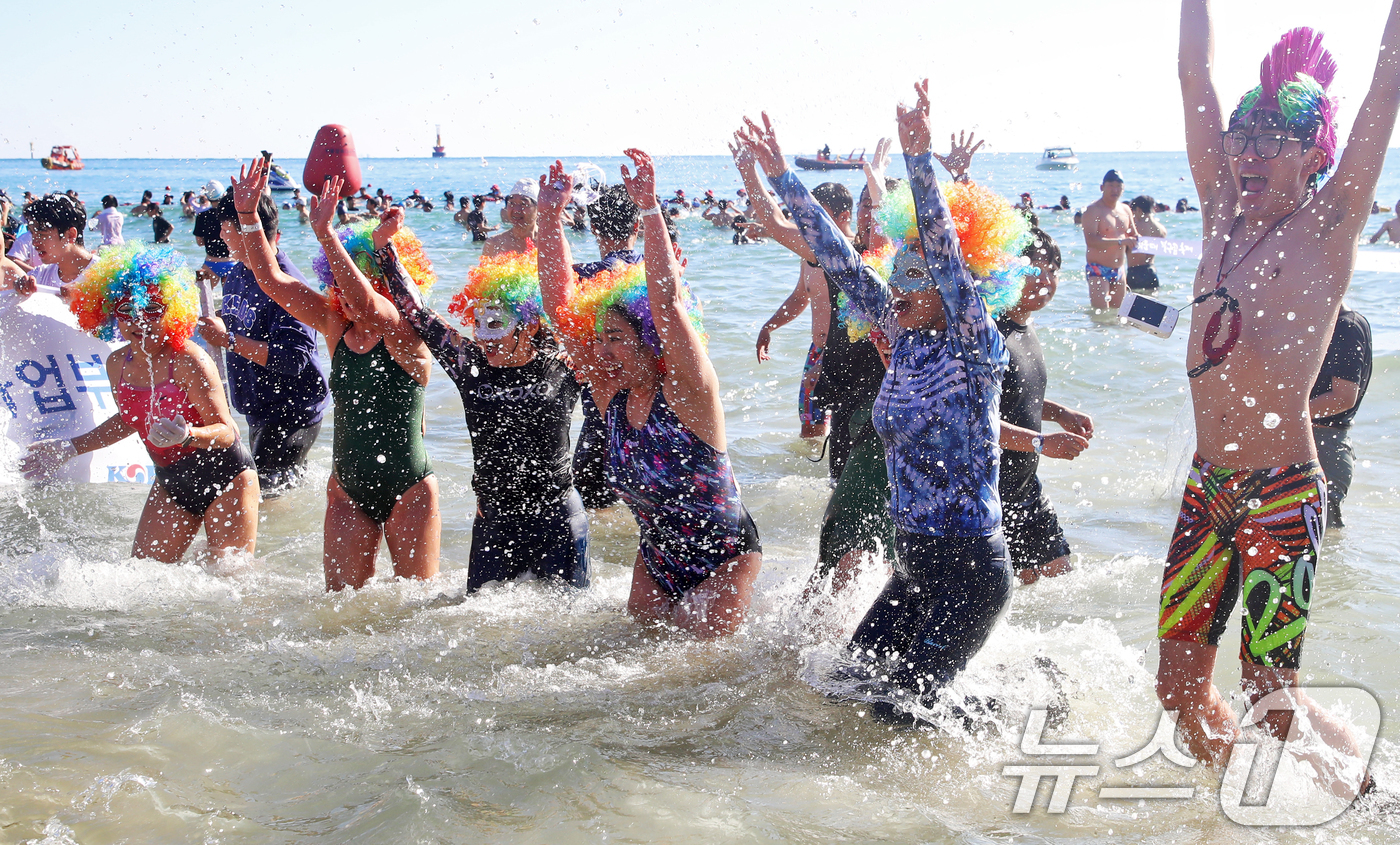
[144, 275]
[858, 325]
[623, 288]
[991, 235]
[358, 240]
[511, 281]
[1293, 81]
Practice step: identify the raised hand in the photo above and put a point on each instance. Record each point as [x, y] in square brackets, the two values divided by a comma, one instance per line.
[323, 207]
[762, 142]
[642, 187]
[556, 191]
[915, 132]
[249, 186]
[390, 222]
[880, 162]
[744, 158]
[960, 153]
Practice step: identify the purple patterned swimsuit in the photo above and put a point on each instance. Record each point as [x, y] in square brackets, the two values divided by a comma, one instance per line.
[681, 491]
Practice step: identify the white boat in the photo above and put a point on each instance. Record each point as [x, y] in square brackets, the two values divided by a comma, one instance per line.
[280, 180]
[1058, 158]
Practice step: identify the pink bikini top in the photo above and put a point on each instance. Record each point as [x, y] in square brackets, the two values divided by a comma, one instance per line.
[140, 409]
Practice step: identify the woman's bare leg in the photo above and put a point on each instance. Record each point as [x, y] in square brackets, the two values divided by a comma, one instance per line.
[165, 530]
[231, 523]
[414, 531]
[351, 541]
[648, 602]
[719, 604]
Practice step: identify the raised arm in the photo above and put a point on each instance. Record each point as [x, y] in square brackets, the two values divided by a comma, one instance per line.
[301, 301]
[358, 298]
[688, 367]
[456, 353]
[970, 329]
[837, 257]
[765, 208]
[1353, 185]
[556, 270]
[1201, 102]
[875, 172]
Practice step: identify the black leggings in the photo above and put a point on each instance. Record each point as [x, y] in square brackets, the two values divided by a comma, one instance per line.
[280, 450]
[939, 607]
[553, 543]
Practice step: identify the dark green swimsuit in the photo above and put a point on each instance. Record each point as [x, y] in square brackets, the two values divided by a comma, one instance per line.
[378, 449]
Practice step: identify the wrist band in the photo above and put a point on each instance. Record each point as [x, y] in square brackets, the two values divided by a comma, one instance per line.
[249, 228]
[231, 338]
[1038, 443]
[655, 209]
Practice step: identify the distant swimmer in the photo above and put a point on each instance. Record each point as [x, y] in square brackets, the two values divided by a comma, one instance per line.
[167, 392]
[635, 335]
[1108, 235]
[721, 214]
[1278, 256]
[109, 222]
[520, 212]
[1183, 206]
[1142, 275]
[1390, 228]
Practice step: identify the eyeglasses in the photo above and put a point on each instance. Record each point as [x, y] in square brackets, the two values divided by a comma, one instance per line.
[1265, 146]
[151, 309]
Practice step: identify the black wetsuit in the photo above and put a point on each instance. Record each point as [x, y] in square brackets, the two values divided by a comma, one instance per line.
[1033, 533]
[530, 518]
[852, 373]
[1349, 358]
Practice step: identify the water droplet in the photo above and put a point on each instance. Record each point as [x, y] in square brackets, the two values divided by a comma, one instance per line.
[1249, 401]
[1232, 447]
[1271, 420]
[381, 458]
[1292, 315]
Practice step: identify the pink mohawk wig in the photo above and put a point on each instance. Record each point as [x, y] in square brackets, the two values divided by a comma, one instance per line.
[1293, 80]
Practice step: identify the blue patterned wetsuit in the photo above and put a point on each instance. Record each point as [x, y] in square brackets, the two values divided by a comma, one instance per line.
[682, 491]
[937, 414]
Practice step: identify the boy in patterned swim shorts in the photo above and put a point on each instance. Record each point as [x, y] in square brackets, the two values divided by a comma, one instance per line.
[1277, 258]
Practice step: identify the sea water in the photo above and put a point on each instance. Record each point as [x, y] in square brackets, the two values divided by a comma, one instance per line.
[153, 703]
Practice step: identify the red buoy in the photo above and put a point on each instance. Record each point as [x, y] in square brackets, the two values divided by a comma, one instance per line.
[332, 154]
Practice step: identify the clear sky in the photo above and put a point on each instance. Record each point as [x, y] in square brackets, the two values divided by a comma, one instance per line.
[589, 77]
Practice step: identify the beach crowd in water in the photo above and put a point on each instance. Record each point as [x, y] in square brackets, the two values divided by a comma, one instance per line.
[924, 378]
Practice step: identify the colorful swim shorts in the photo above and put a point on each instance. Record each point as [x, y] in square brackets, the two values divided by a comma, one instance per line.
[1256, 532]
[807, 408]
[1099, 270]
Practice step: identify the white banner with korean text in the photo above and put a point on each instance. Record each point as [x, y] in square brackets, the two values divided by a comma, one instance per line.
[53, 384]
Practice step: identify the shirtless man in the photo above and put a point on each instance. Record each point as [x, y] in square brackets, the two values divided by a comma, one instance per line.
[1108, 235]
[1390, 228]
[1278, 253]
[520, 212]
[722, 214]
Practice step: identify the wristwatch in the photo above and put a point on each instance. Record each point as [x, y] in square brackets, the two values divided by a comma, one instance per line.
[232, 337]
[1038, 443]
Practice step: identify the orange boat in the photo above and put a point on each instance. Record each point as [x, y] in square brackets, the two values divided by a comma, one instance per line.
[63, 158]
